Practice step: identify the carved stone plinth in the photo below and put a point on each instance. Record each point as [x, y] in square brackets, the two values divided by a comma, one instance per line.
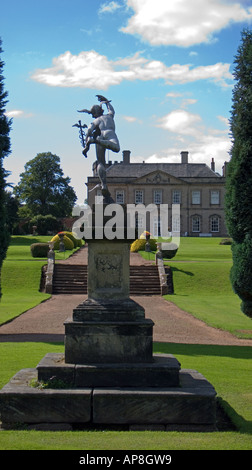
[108, 269]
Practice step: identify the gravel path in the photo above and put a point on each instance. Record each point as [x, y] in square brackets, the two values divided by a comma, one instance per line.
[46, 321]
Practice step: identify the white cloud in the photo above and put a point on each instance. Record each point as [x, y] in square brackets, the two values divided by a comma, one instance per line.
[173, 95]
[180, 122]
[17, 113]
[211, 145]
[187, 102]
[132, 119]
[183, 23]
[186, 131]
[109, 7]
[224, 120]
[89, 69]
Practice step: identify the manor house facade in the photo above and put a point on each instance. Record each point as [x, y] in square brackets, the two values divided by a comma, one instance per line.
[196, 187]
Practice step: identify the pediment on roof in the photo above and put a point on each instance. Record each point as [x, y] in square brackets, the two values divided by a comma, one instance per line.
[157, 177]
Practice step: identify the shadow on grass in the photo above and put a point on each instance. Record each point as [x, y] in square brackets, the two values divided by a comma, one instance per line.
[23, 241]
[237, 352]
[32, 338]
[188, 273]
[231, 420]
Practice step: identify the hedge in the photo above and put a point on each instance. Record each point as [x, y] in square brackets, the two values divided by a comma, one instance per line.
[39, 250]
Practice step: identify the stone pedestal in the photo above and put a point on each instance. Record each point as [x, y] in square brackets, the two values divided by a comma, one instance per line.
[108, 269]
[112, 376]
[108, 327]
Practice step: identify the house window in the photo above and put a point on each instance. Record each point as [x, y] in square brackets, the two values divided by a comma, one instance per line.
[140, 221]
[214, 224]
[176, 197]
[120, 197]
[215, 197]
[158, 196]
[157, 227]
[176, 224]
[196, 223]
[196, 197]
[138, 196]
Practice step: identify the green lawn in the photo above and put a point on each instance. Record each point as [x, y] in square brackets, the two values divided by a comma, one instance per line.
[201, 280]
[228, 368]
[20, 277]
[202, 287]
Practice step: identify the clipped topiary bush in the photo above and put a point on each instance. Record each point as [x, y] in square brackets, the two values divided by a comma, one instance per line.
[39, 250]
[169, 250]
[76, 242]
[69, 245]
[139, 245]
[145, 235]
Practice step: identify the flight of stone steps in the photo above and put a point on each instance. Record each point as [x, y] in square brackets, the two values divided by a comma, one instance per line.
[72, 279]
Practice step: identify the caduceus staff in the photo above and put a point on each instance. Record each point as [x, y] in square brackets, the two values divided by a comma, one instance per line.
[82, 135]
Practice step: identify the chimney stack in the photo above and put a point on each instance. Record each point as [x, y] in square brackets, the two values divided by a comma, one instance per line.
[224, 169]
[184, 157]
[213, 165]
[126, 157]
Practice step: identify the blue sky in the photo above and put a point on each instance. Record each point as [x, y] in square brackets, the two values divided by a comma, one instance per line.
[165, 64]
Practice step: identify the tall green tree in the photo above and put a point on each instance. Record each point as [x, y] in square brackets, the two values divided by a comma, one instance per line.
[43, 187]
[238, 203]
[5, 127]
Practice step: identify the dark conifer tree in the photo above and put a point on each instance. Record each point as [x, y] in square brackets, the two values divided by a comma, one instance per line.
[5, 125]
[238, 203]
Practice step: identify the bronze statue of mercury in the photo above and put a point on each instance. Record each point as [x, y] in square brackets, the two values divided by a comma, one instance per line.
[101, 132]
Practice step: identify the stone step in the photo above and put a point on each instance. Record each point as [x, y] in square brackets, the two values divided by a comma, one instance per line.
[72, 279]
[162, 371]
[192, 403]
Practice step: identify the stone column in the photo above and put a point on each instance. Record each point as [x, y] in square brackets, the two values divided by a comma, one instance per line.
[108, 327]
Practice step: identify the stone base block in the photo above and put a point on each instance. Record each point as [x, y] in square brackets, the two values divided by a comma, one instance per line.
[193, 402]
[108, 342]
[21, 403]
[162, 371]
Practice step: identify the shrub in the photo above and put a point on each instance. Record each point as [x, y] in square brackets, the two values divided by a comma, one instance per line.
[241, 273]
[169, 250]
[145, 234]
[69, 245]
[139, 245]
[76, 242]
[39, 250]
[45, 224]
[226, 241]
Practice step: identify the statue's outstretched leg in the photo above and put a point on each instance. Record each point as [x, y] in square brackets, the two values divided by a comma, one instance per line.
[100, 153]
[102, 176]
[108, 144]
